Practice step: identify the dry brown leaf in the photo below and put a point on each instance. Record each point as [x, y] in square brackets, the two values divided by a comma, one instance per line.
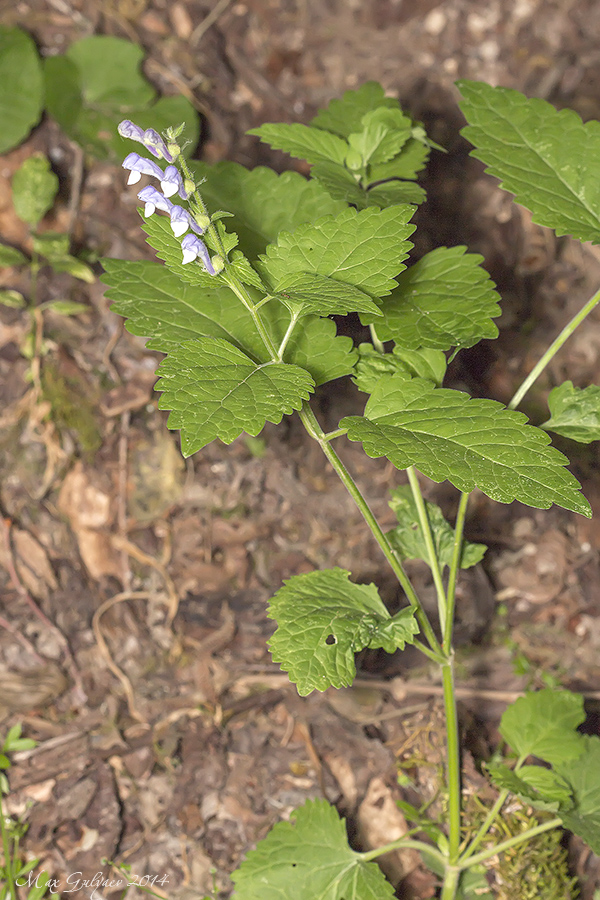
[88, 510]
[32, 564]
[380, 822]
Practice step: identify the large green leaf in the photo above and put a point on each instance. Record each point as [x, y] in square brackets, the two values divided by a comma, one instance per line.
[339, 183]
[445, 300]
[263, 203]
[365, 249]
[547, 158]
[574, 412]
[345, 116]
[215, 391]
[583, 776]
[373, 365]
[543, 724]
[409, 162]
[21, 86]
[382, 135]
[309, 293]
[323, 619]
[534, 785]
[159, 306]
[408, 540]
[109, 69]
[394, 193]
[303, 142]
[309, 858]
[472, 443]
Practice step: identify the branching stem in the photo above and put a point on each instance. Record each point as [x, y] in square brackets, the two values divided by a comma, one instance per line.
[429, 542]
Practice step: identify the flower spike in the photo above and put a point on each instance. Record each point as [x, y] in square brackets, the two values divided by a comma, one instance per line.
[192, 248]
[155, 144]
[181, 220]
[172, 183]
[127, 129]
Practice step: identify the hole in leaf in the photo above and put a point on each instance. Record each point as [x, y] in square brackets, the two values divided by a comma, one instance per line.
[331, 639]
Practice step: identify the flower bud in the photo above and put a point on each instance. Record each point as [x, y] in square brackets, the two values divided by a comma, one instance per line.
[192, 249]
[139, 166]
[154, 200]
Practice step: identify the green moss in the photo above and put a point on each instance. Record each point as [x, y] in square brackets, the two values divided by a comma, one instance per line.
[71, 408]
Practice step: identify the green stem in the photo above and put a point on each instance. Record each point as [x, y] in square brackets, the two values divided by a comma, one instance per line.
[287, 336]
[554, 348]
[8, 862]
[511, 842]
[377, 342]
[487, 824]
[238, 289]
[453, 762]
[450, 885]
[459, 526]
[404, 844]
[428, 536]
[314, 430]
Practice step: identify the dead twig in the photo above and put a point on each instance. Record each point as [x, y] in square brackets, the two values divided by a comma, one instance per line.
[122, 543]
[207, 22]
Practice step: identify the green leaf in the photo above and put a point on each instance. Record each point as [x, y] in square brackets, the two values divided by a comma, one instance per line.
[168, 311]
[303, 142]
[574, 412]
[262, 202]
[407, 537]
[445, 300]
[339, 183]
[543, 724]
[545, 157]
[383, 133]
[365, 249]
[34, 187]
[409, 162]
[323, 296]
[168, 248]
[75, 267]
[323, 619]
[309, 858]
[66, 307]
[10, 256]
[64, 101]
[242, 268]
[472, 443]
[581, 774]
[21, 86]
[373, 365]
[394, 193]
[51, 244]
[216, 391]
[345, 116]
[13, 299]
[110, 73]
[534, 785]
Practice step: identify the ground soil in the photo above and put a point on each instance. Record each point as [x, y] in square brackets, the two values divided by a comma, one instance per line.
[174, 748]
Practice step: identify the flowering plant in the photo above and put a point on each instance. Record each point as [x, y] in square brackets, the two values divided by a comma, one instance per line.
[244, 316]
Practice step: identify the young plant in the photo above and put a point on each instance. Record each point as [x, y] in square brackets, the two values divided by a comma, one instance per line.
[243, 314]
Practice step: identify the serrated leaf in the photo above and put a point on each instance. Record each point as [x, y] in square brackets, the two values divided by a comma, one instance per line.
[168, 311]
[407, 537]
[574, 412]
[393, 193]
[373, 365]
[309, 857]
[339, 183]
[543, 724]
[534, 785]
[10, 256]
[545, 157]
[21, 86]
[263, 203]
[323, 296]
[582, 775]
[244, 271]
[471, 443]
[303, 142]
[323, 619]
[34, 187]
[345, 116]
[445, 300]
[383, 133]
[365, 249]
[410, 161]
[215, 391]
[168, 248]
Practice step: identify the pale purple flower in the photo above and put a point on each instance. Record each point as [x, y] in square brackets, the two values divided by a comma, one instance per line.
[139, 166]
[155, 144]
[128, 130]
[172, 183]
[192, 248]
[154, 200]
[181, 220]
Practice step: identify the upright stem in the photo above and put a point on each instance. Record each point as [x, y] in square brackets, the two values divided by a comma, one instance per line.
[429, 543]
[554, 348]
[453, 762]
[8, 859]
[459, 526]
[314, 429]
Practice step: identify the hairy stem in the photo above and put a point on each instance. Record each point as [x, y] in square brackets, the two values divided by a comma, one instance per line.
[238, 289]
[429, 543]
[453, 761]
[404, 843]
[553, 349]
[8, 861]
[450, 885]
[314, 429]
